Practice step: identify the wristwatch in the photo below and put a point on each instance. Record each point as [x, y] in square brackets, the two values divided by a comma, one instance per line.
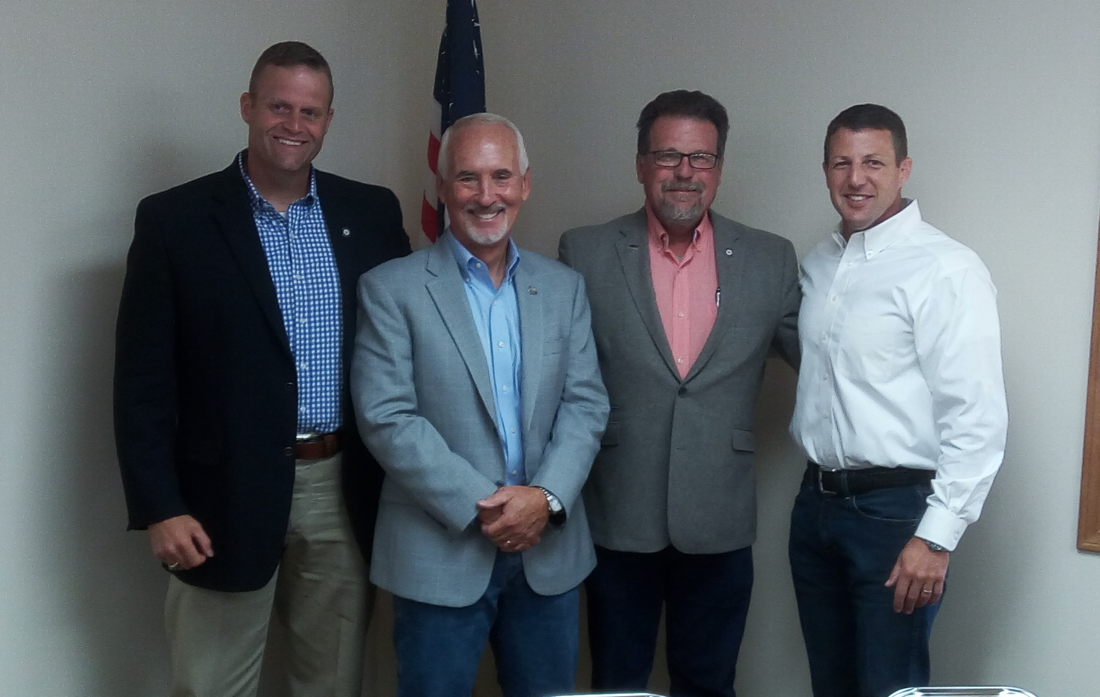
[557, 511]
[933, 546]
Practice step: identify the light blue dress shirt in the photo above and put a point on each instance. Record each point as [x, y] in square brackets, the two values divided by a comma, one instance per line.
[496, 317]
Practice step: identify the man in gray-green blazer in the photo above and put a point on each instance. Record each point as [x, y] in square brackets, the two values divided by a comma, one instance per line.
[477, 387]
[686, 305]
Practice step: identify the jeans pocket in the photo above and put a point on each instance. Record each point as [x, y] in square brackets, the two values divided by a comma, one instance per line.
[902, 505]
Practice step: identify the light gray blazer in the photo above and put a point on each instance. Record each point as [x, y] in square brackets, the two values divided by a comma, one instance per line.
[424, 404]
[676, 463]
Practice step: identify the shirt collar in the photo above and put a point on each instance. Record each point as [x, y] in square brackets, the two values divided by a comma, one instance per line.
[469, 265]
[259, 202]
[878, 237]
[658, 236]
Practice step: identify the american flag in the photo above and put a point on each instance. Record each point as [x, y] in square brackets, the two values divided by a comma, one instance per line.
[459, 91]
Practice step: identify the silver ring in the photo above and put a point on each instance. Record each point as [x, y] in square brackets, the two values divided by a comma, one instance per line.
[173, 566]
[926, 592]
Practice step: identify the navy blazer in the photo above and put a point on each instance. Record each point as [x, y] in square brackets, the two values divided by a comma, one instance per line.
[205, 394]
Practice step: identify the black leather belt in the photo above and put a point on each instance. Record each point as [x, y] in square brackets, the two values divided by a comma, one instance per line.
[854, 482]
[317, 446]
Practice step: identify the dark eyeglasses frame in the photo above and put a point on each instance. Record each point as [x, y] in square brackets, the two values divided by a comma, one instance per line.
[709, 160]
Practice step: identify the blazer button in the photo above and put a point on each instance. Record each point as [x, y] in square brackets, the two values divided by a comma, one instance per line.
[288, 451]
[290, 387]
[682, 391]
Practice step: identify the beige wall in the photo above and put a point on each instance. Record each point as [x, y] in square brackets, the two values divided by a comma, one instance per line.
[108, 101]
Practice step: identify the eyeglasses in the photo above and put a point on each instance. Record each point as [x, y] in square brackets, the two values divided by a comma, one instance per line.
[673, 158]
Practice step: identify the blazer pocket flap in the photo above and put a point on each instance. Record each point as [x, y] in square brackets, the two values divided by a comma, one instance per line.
[742, 439]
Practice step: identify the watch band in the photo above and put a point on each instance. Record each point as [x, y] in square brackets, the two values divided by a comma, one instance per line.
[933, 546]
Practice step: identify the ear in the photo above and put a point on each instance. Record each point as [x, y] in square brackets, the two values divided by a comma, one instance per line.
[906, 167]
[639, 162]
[525, 185]
[328, 121]
[246, 106]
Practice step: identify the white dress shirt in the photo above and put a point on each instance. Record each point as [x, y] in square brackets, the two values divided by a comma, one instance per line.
[901, 364]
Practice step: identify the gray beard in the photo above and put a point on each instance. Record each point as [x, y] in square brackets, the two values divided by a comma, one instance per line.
[671, 214]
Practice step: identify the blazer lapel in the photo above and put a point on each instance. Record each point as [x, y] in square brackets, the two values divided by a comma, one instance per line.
[531, 331]
[233, 215]
[633, 250]
[447, 292]
[730, 265]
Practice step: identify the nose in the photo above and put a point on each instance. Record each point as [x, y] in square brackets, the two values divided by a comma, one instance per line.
[293, 122]
[484, 193]
[684, 170]
[856, 176]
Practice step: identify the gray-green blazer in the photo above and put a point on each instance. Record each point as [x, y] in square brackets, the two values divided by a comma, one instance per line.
[676, 462]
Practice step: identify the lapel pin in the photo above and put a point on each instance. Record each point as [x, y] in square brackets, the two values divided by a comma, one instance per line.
[729, 252]
[346, 233]
[531, 290]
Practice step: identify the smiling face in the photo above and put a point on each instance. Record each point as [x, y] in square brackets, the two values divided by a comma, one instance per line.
[864, 178]
[679, 196]
[287, 119]
[481, 185]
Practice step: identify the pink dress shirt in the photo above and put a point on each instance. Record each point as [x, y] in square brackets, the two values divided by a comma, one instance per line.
[686, 290]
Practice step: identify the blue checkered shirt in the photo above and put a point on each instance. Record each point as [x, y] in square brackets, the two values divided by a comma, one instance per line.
[307, 286]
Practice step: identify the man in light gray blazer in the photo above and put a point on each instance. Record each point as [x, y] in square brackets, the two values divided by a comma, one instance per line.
[477, 387]
[685, 308]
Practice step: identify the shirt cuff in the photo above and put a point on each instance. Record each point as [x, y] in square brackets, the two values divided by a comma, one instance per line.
[942, 527]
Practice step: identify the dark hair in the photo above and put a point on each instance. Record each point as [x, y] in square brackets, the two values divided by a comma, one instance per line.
[290, 54]
[687, 104]
[870, 117]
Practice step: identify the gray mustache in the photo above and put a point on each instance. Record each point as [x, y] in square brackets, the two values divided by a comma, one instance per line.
[686, 186]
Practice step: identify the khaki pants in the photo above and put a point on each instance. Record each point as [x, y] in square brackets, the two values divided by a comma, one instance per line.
[319, 594]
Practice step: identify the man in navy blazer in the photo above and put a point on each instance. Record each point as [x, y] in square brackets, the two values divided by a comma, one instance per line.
[476, 385]
[233, 418]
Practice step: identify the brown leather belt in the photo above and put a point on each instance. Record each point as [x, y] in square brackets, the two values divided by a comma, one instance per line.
[855, 482]
[319, 446]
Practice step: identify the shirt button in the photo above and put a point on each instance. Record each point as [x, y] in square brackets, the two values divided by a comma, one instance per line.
[478, 265]
[495, 303]
[513, 430]
[515, 473]
[825, 378]
[833, 298]
[679, 360]
[681, 315]
[824, 337]
[500, 343]
[504, 388]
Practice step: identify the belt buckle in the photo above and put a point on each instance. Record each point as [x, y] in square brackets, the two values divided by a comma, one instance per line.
[308, 437]
[821, 482]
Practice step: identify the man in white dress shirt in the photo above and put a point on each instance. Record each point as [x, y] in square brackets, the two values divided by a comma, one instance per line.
[900, 409]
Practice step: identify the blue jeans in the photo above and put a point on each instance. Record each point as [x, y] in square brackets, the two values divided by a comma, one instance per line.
[706, 598]
[534, 639]
[842, 550]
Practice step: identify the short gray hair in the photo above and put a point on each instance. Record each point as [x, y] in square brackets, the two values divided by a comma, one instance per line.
[465, 122]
